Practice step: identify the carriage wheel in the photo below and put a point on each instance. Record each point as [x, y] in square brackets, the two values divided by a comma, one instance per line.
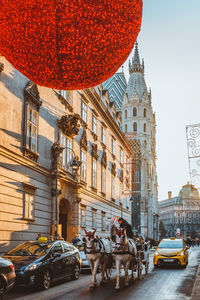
[139, 270]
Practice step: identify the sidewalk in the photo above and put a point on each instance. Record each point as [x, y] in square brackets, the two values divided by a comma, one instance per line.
[196, 289]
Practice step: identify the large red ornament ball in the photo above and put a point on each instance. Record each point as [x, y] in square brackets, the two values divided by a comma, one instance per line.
[68, 44]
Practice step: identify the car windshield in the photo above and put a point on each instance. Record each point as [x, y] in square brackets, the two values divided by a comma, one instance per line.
[171, 244]
[30, 249]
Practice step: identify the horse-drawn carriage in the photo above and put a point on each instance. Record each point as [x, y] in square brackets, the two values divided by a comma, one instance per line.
[120, 251]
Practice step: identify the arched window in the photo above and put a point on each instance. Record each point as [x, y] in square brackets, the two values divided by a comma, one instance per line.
[126, 114]
[134, 111]
[145, 112]
[145, 143]
[134, 126]
[126, 128]
[145, 127]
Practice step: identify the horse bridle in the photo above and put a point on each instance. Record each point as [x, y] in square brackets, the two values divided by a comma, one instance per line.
[93, 250]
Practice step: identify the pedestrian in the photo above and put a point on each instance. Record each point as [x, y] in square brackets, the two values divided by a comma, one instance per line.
[75, 239]
[38, 236]
[124, 224]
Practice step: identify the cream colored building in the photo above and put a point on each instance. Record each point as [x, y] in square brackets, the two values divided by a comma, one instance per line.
[181, 214]
[86, 124]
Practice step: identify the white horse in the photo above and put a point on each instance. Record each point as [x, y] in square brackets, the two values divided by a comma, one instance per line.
[125, 253]
[98, 253]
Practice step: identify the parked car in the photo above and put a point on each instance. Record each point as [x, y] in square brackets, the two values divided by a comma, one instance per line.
[40, 263]
[171, 251]
[85, 264]
[7, 276]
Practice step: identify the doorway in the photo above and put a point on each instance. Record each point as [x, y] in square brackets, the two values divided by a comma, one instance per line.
[63, 217]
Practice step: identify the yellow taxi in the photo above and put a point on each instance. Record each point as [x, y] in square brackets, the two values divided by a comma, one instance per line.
[171, 251]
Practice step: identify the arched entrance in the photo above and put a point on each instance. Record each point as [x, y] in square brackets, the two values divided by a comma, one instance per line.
[64, 212]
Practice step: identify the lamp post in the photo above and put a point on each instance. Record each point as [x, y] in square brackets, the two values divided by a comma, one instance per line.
[57, 149]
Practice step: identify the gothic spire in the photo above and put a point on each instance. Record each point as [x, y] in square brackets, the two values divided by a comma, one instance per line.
[135, 66]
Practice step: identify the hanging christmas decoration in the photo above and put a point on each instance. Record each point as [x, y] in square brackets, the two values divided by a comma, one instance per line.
[68, 44]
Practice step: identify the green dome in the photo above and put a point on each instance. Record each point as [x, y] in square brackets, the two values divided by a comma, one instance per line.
[189, 191]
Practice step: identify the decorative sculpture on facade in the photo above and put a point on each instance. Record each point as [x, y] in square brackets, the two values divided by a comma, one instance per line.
[83, 142]
[69, 124]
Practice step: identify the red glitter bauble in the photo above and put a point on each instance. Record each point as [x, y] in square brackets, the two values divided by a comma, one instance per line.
[68, 44]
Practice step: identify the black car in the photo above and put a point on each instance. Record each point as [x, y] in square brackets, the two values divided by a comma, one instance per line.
[7, 276]
[39, 263]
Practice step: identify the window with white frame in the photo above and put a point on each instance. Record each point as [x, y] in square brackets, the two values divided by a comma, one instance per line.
[83, 216]
[113, 187]
[113, 146]
[32, 128]
[103, 179]
[94, 124]
[29, 205]
[103, 134]
[94, 173]
[121, 155]
[103, 221]
[83, 166]
[94, 218]
[84, 111]
[63, 93]
[67, 154]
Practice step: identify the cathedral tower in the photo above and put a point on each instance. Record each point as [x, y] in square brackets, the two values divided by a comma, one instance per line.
[139, 126]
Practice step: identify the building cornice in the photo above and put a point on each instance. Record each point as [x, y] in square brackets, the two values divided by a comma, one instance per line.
[22, 160]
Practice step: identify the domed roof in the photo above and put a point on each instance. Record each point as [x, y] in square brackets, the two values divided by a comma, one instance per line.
[190, 192]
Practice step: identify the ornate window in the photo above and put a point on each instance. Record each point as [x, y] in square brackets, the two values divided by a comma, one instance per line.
[121, 155]
[126, 114]
[145, 127]
[94, 218]
[103, 221]
[31, 120]
[83, 216]
[29, 201]
[84, 111]
[135, 126]
[83, 165]
[113, 187]
[103, 135]
[103, 179]
[63, 93]
[125, 128]
[94, 173]
[66, 155]
[112, 146]
[145, 113]
[134, 112]
[94, 124]
[103, 173]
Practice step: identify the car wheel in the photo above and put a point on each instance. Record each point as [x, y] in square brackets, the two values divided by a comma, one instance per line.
[76, 272]
[2, 290]
[46, 280]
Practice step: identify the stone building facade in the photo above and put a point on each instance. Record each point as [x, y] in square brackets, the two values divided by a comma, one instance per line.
[181, 213]
[35, 121]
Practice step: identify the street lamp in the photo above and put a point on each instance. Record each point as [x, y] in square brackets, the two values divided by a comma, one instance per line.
[57, 149]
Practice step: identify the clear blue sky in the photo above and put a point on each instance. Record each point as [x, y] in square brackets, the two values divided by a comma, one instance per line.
[169, 42]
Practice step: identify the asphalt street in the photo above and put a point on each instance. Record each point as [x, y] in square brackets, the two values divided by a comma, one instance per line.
[166, 283]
